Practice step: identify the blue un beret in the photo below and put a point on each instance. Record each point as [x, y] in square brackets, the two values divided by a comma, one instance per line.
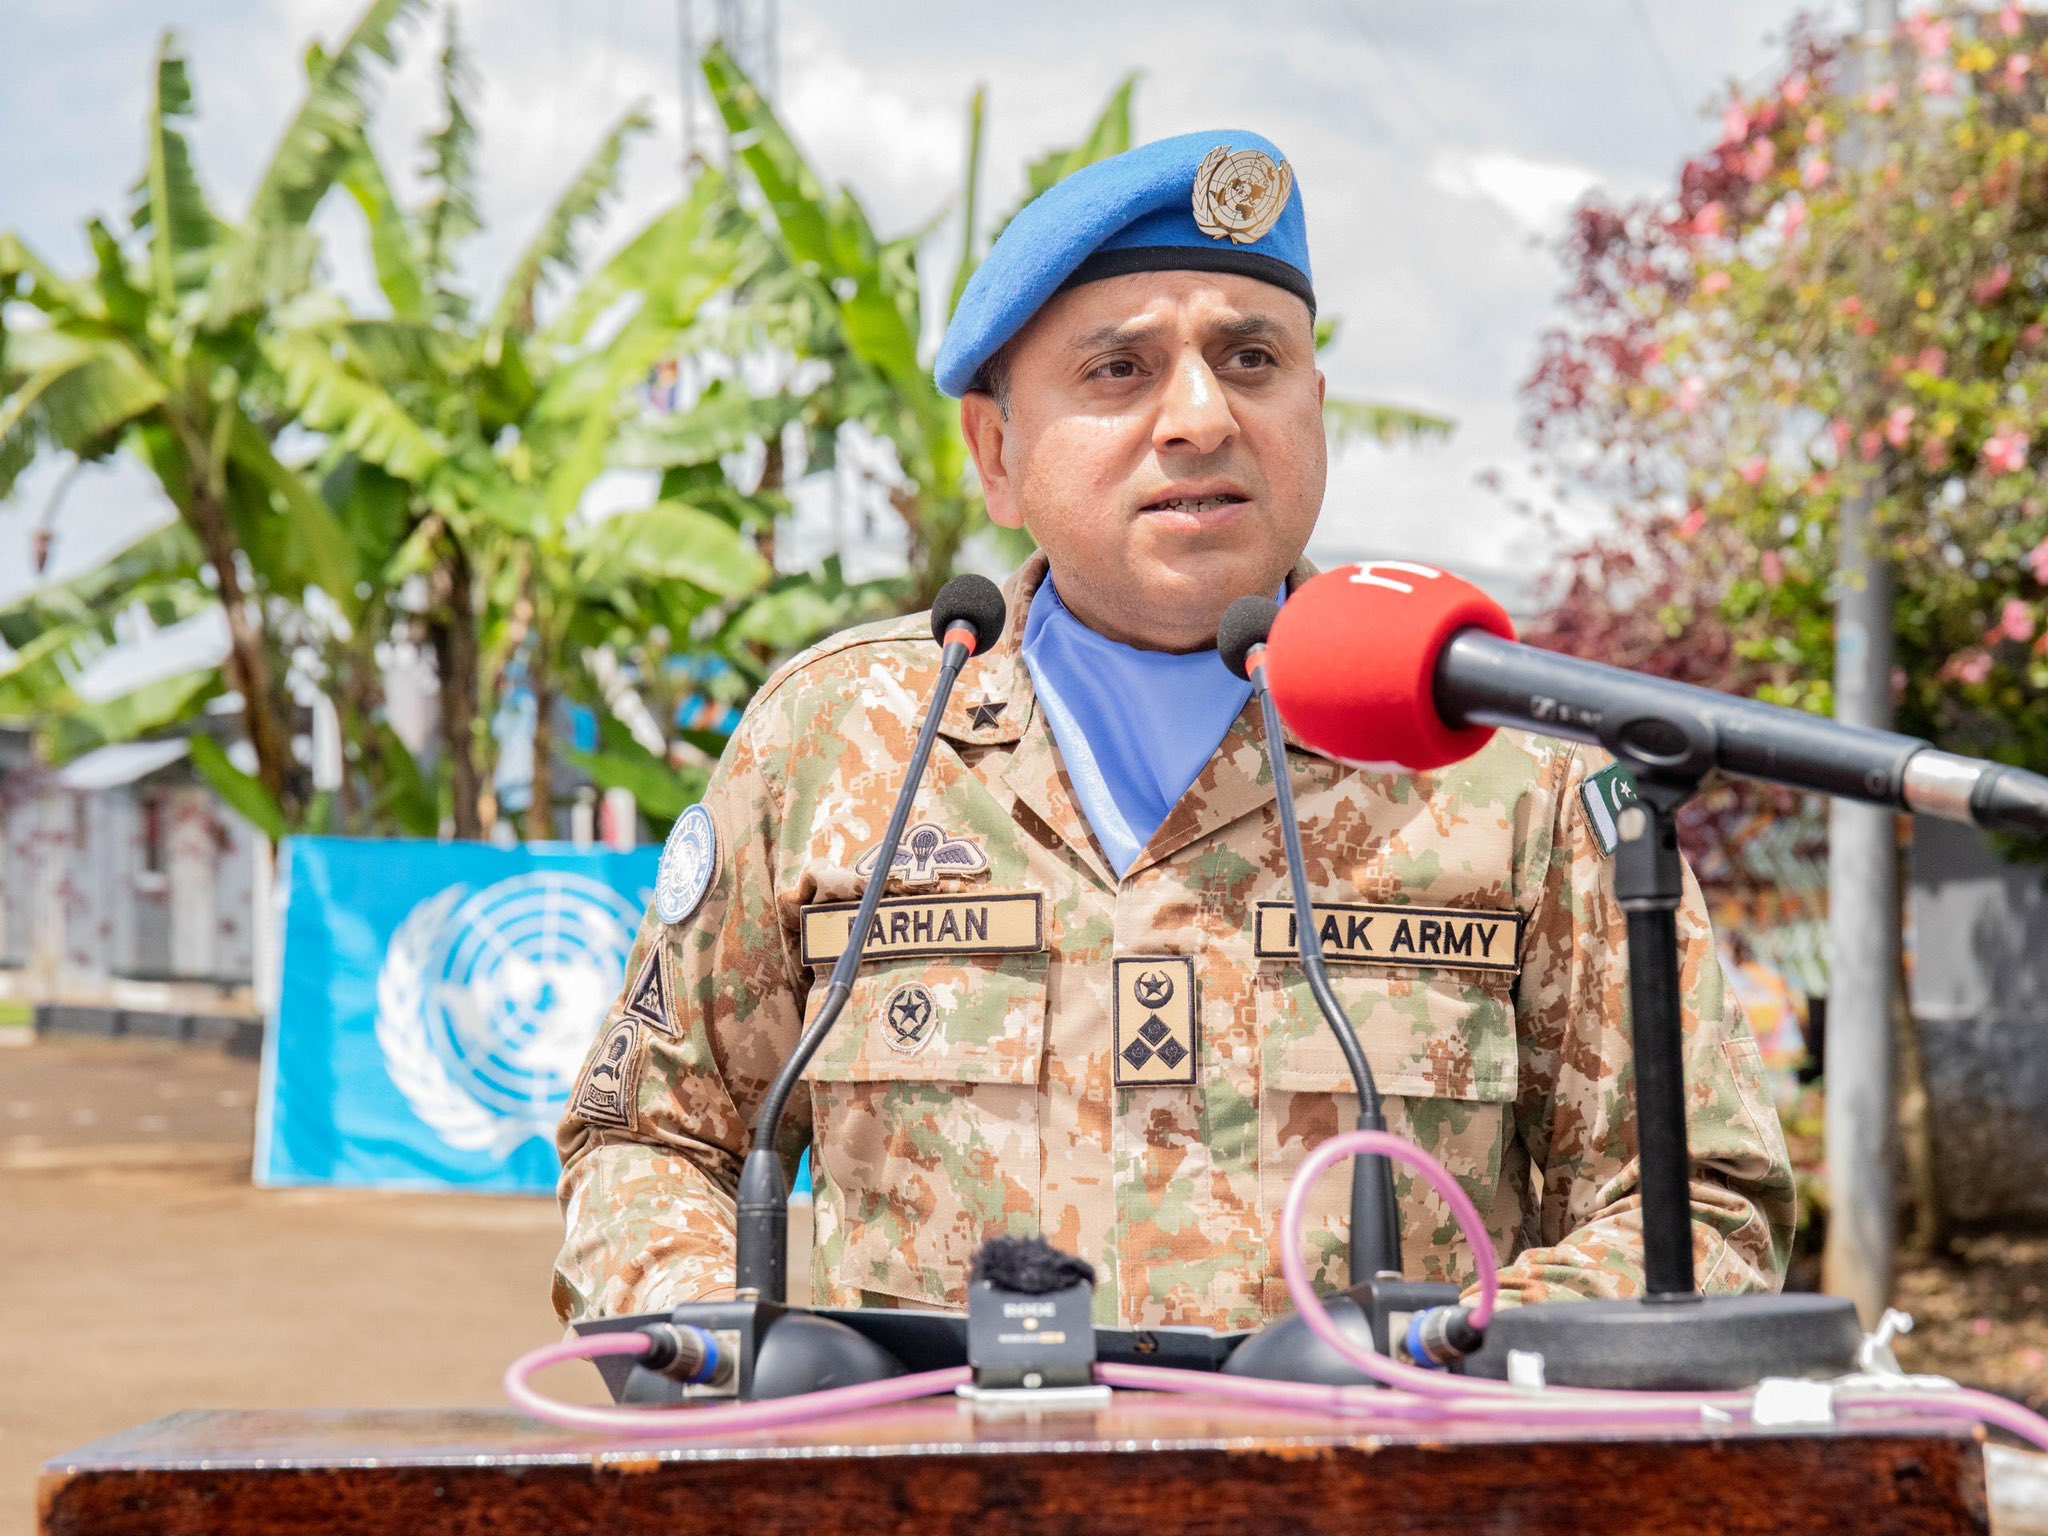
[1205, 202]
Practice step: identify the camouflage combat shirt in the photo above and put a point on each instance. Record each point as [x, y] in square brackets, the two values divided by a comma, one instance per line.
[1135, 1067]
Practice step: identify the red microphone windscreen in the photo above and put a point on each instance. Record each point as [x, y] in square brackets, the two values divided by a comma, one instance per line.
[1352, 661]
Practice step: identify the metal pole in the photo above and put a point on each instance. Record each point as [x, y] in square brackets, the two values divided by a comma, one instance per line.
[1863, 877]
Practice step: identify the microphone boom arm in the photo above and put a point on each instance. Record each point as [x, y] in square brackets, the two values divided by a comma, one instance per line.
[761, 1236]
[1375, 1217]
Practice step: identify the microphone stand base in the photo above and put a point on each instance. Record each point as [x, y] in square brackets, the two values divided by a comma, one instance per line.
[1374, 1314]
[779, 1352]
[1678, 1344]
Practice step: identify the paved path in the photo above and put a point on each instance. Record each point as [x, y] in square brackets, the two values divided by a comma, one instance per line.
[140, 1273]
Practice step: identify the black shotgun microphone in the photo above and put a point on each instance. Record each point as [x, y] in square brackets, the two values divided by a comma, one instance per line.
[967, 618]
[1375, 1218]
[1401, 663]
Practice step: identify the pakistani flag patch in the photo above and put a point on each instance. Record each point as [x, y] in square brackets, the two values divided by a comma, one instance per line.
[1606, 794]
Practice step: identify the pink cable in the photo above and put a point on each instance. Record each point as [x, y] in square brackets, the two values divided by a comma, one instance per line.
[1586, 1409]
[693, 1423]
[1406, 1394]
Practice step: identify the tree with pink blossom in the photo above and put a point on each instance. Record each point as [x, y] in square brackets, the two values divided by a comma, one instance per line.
[1799, 319]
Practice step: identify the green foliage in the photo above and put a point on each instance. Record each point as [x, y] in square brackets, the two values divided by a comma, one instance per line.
[245, 795]
[1845, 298]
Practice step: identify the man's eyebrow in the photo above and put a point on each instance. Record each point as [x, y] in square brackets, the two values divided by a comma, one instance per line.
[1243, 328]
[1115, 336]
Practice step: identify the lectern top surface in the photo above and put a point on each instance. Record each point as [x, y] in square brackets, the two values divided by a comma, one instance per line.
[280, 1439]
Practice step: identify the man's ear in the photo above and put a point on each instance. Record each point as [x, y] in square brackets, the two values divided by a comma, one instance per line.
[982, 424]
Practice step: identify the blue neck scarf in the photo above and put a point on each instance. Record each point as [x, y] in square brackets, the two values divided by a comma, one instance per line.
[1134, 728]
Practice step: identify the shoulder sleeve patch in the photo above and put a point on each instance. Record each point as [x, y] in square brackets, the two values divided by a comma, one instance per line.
[1605, 794]
[688, 859]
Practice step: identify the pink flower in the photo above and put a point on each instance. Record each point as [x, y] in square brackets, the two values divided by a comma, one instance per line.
[2006, 452]
[1817, 171]
[1762, 156]
[1715, 282]
[1898, 427]
[1972, 667]
[1931, 361]
[1735, 123]
[2031, 336]
[1773, 568]
[1690, 392]
[1694, 521]
[1816, 130]
[1883, 99]
[1937, 80]
[1990, 286]
[2009, 19]
[1933, 38]
[2037, 562]
[1852, 305]
[2016, 622]
[2016, 67]
[1710, 220]
[1795, 218]
[1796, 87]
[1841, 432]
[1870, 444]
[1753, 471]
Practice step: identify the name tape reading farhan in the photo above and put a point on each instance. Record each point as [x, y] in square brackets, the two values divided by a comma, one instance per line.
[1361, 935]
[995, 923]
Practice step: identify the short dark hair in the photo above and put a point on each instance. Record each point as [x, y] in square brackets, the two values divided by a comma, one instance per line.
[993, 378]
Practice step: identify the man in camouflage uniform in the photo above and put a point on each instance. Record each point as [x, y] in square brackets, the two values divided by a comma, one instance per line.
[1113, 1045]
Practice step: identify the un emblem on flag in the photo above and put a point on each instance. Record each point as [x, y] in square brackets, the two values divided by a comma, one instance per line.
[487, 1000]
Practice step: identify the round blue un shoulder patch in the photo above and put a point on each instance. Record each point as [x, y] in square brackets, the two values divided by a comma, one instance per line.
[687, 861]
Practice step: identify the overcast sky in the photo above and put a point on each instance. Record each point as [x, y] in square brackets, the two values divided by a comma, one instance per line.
[1437, 147]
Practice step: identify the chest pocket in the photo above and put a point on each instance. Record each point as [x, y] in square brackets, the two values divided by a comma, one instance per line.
[925, 1123]
[1442, 1048]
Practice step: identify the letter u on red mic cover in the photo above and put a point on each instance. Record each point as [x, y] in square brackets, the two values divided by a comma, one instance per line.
[1352, 661]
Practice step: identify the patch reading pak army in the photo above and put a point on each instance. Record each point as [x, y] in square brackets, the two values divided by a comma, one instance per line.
[1358, 935]
[1606, 795]
[1241, 196]
[687, 860]
[1011, 923]
[1153, 1021]
[923, 854]
[606, 1091]
[907, 1018]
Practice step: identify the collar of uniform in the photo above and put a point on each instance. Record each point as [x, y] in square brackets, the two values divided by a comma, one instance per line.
[993, 701]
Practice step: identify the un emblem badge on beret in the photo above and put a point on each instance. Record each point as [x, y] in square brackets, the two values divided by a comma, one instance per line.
[1240, 196]
[687, 859]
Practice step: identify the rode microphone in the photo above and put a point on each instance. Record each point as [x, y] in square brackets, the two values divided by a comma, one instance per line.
[967, 617]
[1375, 1218]
[1393, 663]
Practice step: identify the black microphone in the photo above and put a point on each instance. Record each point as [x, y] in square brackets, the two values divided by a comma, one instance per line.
[1401, 663]
[1375, 1217]
[967, 617]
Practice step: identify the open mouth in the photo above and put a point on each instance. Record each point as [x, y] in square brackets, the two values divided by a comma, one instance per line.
[1196, 506]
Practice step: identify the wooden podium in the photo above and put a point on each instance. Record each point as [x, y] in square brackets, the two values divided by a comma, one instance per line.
[1150, 1464]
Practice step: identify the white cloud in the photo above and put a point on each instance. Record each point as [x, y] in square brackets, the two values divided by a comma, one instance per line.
[1535, 193]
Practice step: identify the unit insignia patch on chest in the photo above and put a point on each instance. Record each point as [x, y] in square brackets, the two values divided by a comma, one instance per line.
[1153, 1020]
[924, 854]
[907, 1018]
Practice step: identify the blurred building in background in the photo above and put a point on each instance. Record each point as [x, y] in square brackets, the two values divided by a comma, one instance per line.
[127, 895]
